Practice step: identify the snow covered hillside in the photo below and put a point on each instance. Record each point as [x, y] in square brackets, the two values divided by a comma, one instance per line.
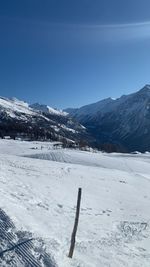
[18, 119]
[124, 121]
[38, 191]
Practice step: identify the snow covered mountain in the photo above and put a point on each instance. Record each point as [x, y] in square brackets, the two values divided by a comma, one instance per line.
[37, 122]
[48, 110]
[124, 122]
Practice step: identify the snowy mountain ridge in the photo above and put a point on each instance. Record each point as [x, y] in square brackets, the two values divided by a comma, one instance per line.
[14, 105]
[107, 104]
[48, 109]
[18, 118]
[124, 121]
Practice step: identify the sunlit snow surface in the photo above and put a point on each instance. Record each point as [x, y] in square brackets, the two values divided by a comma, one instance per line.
[38, 190]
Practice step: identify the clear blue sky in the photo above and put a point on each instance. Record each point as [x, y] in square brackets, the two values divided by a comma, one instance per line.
[68, 53]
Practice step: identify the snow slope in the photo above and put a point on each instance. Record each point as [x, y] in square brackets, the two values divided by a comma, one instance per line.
[39, 194]
[13, 105]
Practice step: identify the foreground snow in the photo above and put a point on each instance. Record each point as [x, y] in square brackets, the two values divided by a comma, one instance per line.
[38, 190]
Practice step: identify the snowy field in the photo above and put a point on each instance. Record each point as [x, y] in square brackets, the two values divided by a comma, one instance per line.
[38, 190]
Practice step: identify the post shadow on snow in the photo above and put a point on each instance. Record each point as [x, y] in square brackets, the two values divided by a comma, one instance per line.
[19, 248]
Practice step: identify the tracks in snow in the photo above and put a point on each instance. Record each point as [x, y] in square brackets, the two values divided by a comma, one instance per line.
[28, 254]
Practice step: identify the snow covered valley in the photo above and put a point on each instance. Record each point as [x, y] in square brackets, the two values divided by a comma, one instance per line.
[38, 191]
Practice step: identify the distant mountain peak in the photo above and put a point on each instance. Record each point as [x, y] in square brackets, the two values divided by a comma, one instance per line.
[145, 89]
[147, 86]
[47, 109]
[124, 121]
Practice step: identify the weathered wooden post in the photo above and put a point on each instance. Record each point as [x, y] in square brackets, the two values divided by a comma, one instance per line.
[73, 237]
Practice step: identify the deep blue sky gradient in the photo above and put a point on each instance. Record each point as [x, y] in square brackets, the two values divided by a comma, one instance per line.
[69, 53]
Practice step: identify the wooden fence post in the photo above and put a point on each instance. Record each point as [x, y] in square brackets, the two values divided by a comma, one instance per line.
[73, 237]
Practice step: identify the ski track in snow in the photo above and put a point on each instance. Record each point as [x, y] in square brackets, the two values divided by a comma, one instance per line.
[38, 190]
